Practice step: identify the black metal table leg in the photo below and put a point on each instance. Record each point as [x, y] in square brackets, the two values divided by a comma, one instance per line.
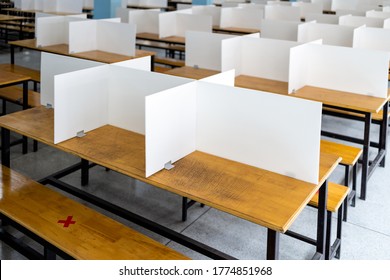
[84, 172]
[25, 106]
[12, 53]
[5, 147]
[321, 220]
[366, 147]
[383, 132]
[272, 244]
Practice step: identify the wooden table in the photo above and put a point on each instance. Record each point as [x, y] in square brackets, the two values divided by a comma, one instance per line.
[235, 30]
[362, 105]
[63, 49]
[8, 79]
[8, 19]
[155, 37]
[262, 197]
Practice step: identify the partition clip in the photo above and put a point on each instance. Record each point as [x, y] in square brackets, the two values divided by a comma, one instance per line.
[196, 66]
[80, 134]
[168, 165]
[49, 106]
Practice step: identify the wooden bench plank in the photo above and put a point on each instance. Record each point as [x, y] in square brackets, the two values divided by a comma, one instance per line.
[35, 75]
[93, 236]
[336, 196]
[169, 61]
[15, 94]
[375, 116]
[349, 154]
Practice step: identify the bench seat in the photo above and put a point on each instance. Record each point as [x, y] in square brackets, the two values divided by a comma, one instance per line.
[14, 94]
[34, 74]
[93, 236]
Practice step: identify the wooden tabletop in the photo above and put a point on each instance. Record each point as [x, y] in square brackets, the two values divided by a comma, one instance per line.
[93, 236]
[342, 99]
[262, 84]
[8, 78]
[10, 18]
[235, 30]
[156, 37]
[191, 72]
[63, 49]
[263, 197]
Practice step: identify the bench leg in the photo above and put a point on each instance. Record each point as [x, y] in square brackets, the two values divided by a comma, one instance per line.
[48, 254]
[354, 184]
[321, 221]
[35, 143]
[383, 132]
[184, 209]
[84, 172]
[328, 234]
[5, 147]
[339, 230]
[346, 183]
[4, 108]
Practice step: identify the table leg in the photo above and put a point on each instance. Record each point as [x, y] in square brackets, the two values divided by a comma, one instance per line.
[383, 132]
[5, 147]
[272, 244]
[12, 53]
[366, 147]
[25, 106]
[84, 172]
[321, 220]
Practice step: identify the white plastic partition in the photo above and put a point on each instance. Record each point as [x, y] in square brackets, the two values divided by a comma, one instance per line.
[51, 65]
[307, 8]
[386, 23]
[279, 29]
[63, 6]
[54, 30]
[378, 14]
[372, 38]
[266, 58]
[344, 5]
[234, 123]
[145, 3]
[339, 68]
[208, 58]
[145, 20]
[326, 4]
[176, 24]
[242, 18]
[231, 54]
[357, 21]
[109, 94]
[213, 11]
[106, 36]
[323, 18]
[282, 13]
[331, 34]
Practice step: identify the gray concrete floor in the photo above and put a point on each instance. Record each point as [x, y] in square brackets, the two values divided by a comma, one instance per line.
[366, 234]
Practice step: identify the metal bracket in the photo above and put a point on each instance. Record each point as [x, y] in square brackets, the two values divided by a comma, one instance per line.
[196, 66]
[49, 106]
[80, 134]
[168, 165]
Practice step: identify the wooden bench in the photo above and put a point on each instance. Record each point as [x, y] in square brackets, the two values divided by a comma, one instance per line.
[337, 195]
[169, 62]
[170, 49]
[14, 94]
[350, 156]
[35, 75]
[336, 198]
[67, 228]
